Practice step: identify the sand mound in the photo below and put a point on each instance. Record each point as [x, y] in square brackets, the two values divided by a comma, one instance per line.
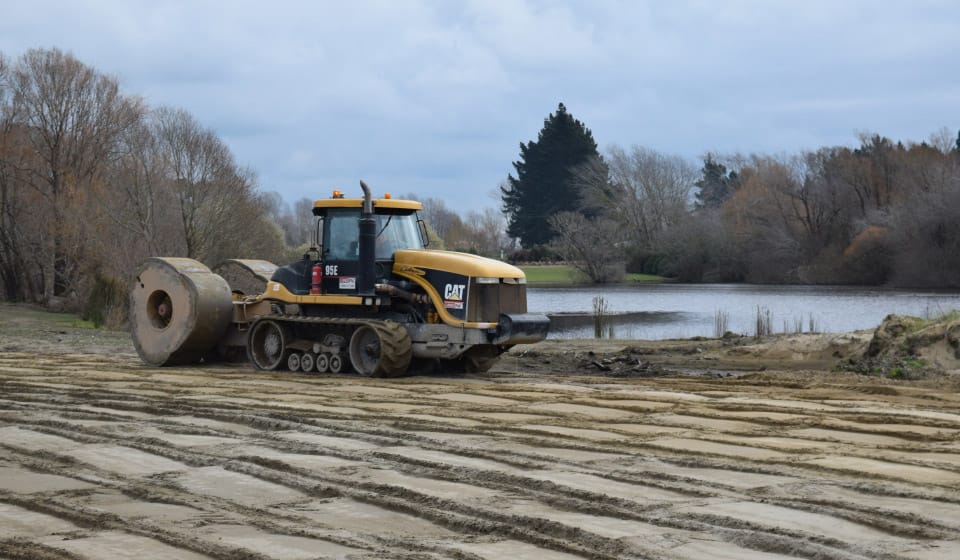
[902, 345]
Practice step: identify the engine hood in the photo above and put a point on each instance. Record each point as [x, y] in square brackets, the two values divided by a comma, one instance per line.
[408, 260]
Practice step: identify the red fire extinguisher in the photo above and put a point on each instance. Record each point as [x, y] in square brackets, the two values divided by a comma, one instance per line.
[315, 279]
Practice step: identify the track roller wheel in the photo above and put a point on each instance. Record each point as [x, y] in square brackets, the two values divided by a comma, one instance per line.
[267, 344]
[336, 363]
[307, 362]
[293, 361]
[381, 349]
[323, 363]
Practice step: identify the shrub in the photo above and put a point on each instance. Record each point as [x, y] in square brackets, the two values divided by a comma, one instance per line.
[535, 254]
[107, 302]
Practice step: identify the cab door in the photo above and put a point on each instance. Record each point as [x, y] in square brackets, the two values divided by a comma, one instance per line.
[341, 250]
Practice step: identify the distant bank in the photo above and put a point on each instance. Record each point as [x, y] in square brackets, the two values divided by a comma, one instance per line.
[566, 275]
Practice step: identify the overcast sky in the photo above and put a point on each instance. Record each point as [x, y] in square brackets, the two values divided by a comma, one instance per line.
[434, 97]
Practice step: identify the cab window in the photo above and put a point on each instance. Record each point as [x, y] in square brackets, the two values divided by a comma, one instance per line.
[341, 234]
[397, 230]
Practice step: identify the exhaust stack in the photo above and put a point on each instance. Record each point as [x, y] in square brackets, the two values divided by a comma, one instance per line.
[368, 236]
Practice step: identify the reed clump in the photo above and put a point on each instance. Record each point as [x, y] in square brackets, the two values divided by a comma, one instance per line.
[763, 322]
[599, 316]
[721, 323]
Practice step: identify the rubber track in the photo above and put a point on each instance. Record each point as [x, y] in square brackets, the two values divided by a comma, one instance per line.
[396, 349]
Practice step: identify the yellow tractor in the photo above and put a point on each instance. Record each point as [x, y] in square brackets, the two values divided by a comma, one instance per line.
[367, 297]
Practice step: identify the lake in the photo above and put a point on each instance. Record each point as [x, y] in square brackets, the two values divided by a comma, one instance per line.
[658, 311]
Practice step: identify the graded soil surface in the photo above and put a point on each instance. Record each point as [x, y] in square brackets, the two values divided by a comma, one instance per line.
[566, 449]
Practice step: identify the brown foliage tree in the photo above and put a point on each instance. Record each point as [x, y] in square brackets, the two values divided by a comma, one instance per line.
[880, 213]
[69, 117]
[91, 183]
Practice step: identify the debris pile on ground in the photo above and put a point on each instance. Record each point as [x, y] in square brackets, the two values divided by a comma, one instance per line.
[623, 364]
[696, 356]
[911, 347]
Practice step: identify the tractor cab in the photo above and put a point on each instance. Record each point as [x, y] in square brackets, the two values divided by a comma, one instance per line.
[397, 227]
[337, 247]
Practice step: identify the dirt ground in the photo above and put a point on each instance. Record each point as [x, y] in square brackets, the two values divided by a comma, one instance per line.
[566, 449]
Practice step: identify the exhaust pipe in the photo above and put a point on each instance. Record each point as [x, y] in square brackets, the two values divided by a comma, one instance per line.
[396, 292]
[367, 210]
[368, 236]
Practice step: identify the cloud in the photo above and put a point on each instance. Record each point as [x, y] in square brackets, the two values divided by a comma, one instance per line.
[433, 96]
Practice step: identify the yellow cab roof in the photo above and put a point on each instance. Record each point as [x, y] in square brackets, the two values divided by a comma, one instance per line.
[392, 203]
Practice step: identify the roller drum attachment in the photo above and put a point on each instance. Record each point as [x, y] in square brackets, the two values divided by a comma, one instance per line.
[179, 310]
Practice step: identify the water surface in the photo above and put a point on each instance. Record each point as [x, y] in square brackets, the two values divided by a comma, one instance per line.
[687, 310]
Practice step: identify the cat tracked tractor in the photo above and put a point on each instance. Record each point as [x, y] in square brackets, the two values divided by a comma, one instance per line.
[367, 297]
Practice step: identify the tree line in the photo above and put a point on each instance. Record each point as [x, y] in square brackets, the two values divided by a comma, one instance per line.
[881, 213]
[93, 181]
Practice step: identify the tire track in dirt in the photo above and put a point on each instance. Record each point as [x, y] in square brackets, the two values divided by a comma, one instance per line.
[586, 467]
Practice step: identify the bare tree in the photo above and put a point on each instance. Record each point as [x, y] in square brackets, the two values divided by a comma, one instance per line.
[10, 254]
[138, 203]
[870, 171]
[436, 213]
[487, 232]
[73, 116]
[926, 168]
[19, 278]
[943, 140]
[482, 232]
[208, 189]
[701, 249]
[644, 190]
[923, 236]
[594, 246]
[176, 191]
[816, 200]
[304, 222]
[250, 232]
[296, 220]
[762, 226]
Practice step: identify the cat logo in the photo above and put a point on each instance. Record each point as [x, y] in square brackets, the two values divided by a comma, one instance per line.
[454, 292]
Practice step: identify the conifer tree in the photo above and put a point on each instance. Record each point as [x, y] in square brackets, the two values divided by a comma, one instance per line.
[716, 185]
[545, 183]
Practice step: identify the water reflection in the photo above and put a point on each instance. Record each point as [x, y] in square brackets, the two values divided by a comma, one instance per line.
[658, 311]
